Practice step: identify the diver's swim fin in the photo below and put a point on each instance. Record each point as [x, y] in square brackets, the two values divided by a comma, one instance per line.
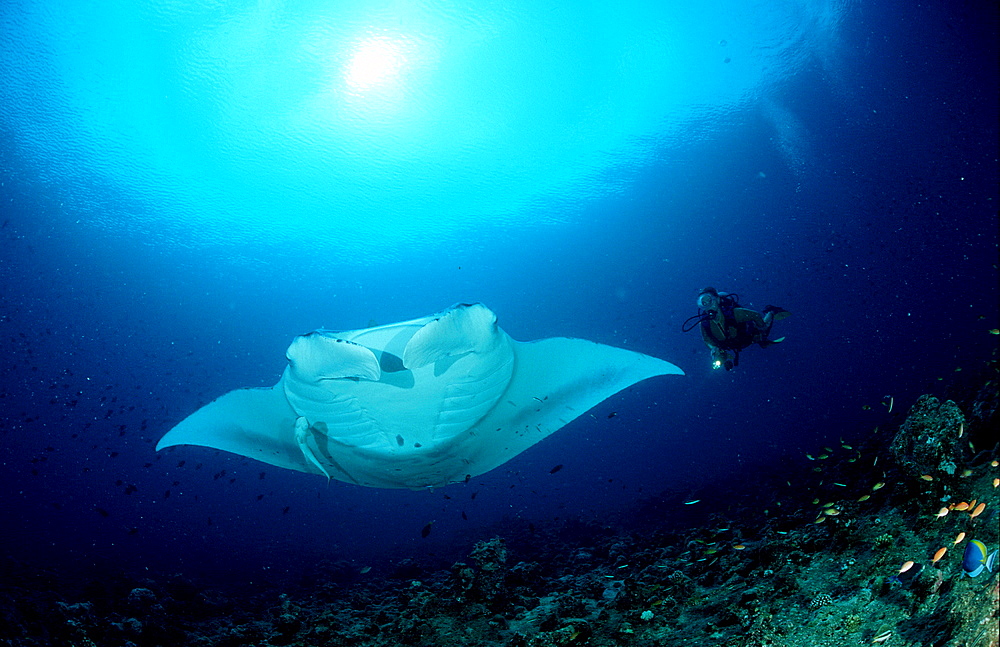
[770, 342]
[779, 313]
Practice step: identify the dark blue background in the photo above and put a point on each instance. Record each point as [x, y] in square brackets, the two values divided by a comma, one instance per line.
[883, 245]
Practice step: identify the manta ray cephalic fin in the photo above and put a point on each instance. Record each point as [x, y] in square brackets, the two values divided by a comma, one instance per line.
[301, 437]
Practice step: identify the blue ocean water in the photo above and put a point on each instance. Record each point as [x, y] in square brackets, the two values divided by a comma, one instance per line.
[186, 186]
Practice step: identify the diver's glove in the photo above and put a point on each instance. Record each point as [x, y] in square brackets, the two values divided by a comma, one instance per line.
[779, 313]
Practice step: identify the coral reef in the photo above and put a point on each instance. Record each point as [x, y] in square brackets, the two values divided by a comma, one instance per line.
[927, 443]
[821, 566]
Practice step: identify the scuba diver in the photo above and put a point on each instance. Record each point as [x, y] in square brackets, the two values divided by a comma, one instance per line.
[728, 328]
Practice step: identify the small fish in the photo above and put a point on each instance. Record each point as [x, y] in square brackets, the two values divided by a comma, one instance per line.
[692, 501]
[966, 474]
[939, 554]
[426, 530]
[958, 539]
[882, 637]
[556, 468]
[612, 415]
[978, 511]
[878, 486]
[864, 498]
[996, 482]
[365, 569]
[962, 506]
[926, 477]
[942, 512]
[977, 559]
[907, 574]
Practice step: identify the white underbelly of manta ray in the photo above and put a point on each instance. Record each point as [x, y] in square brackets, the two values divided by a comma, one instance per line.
[414, 404]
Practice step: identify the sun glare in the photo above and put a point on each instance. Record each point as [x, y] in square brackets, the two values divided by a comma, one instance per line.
[375, 62]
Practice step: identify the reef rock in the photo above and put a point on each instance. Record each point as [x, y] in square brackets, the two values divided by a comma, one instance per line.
[928, 441]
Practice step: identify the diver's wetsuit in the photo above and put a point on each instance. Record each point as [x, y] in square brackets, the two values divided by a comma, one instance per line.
[727, 338]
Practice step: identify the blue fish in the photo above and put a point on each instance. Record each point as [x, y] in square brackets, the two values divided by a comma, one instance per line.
[977, 558]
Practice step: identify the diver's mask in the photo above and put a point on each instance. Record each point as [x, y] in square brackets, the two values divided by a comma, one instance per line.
[707, 302]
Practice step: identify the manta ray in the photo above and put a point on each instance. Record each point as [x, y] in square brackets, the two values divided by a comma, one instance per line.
[415, 404]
